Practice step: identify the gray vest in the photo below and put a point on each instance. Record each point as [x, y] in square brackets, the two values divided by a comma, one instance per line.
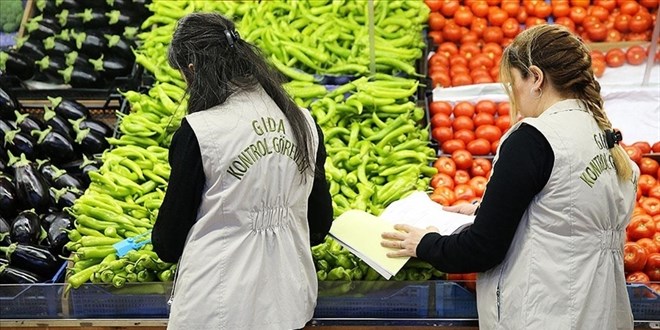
[247, 262]
[564, 269]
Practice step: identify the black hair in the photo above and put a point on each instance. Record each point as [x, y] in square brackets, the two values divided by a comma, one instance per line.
[222, 64]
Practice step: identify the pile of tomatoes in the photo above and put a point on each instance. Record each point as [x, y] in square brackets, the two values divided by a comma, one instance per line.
[471, 34]
[642, 247]
[616, 57]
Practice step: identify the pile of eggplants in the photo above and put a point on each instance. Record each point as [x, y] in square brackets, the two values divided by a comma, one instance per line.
[82, 43]
[44, 166]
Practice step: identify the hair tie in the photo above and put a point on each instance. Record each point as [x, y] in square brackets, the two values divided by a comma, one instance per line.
[232, 36]
[613, 137]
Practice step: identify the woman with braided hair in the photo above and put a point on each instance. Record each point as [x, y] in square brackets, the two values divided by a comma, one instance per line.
[247, 196]
[548, 236]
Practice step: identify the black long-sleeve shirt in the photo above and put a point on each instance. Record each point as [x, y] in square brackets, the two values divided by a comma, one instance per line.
[522, 170]
[178, 212]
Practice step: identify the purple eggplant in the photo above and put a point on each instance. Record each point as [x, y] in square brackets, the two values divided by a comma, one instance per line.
[13, 275]
[80, 168]
[41, 28]
[54, 145]
[111, 66]
[118, 46]
[3, 160]
[64, 197]
[93, 18]
[94, 125]
[90, 142]
[57, 235]
[18, 143]
[53, 45]
[75, 58]
[31, 47]
[25, 228]
[16, 64]
[70, 4]
[47, 169]
[81, 76]
[121, 18]
[32, 258]
[5, 232]
[51, 65]
[46, 6]
[70, 19]
[31, 186]
[90, 44]
[8, 199]
[58, 123]
[58, 178]
[5, 126]
[69, 109]
[8, 106]
[28, 123]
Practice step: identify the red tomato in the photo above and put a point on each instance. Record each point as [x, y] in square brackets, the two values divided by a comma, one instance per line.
[484, 118]
[511, 8]
[597, 32]
[441, 79]
[597, 11]
[481, 167]
[613, 36]
[491, 133]
[457, 277]
[629, 7]
[494, 146]
[436, 36]
[445, 165]
[479, 8]
[640, 226]
[440, 120]
[503, 123]
[656, 147]
[486, 106]
[636, 55]
[470, 37]
[648, 166]
[466, 135]
[449, 7]
[607, 4]
[463, 122]
[493, 34]
[634, 153]
[650, 4]
[480, 147]
[638, 277]
[436, 21]
[463, 108]
[597, 55]
[566, 22]
[598, 67]
[645, 183]
[510, 27]
[478, 184]
[478, 25]
[503, 108]
[497, 16]
[448, 49]
[652, 268]
[470, 281]
[622, 23]
[634, 257]
[442, 179]
[615, 57]
[442, 134]
[651, 205]
[461, 79]
[649, 245]
[434, 5]
[577, 14]
[463, 16]
[440, 107]
[542, 9]
[656, 237]
[452, 145]
[461, 177]
[643, 146]
[560, 10]
[464, 192]
[462, 158]
[451, 31]
[654, 192]
[446, 192]
[481, 61]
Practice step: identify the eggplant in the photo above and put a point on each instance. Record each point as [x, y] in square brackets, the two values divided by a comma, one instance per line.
[32, 258]
[69, 109]
[54, 46]
[58, 233]
[5, 230]
[13, 275]
[64, 197]
[80, 168]
[90, 142]
[112, 66]
[5, 126]
[47, 169]
[69, 19]
[17, 142]
[58, 123]
[121, 18]
[46, 6]
[4, 261]
[3, 163]
[130, 33]
[54, 145]
[75, 58]
[41, 28]
[90, 44]
[32, 48]
[8, 199]
[25, 228]
[51, 65]
[31, 186]
[8, 106]
[28, 123]
[16, 64]
[81, 76]
[93, 124]
[120, 47]
[66, 180]
[93, 18]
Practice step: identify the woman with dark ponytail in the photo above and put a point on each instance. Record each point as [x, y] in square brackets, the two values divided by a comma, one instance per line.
[547, 240]
[247, 196]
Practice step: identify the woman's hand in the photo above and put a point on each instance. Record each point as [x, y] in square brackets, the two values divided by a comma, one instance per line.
[405, 240]
[465, 208]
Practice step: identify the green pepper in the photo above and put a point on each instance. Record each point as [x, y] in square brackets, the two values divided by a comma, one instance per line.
[338, 274]
[76, 280]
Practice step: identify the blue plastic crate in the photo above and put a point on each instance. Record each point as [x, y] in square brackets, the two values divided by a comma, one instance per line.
[36, 301]
[367, 299]
[454, 301]
[645, 302]
[147, 300]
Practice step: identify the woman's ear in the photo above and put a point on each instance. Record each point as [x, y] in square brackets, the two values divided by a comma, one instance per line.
[537, 75]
